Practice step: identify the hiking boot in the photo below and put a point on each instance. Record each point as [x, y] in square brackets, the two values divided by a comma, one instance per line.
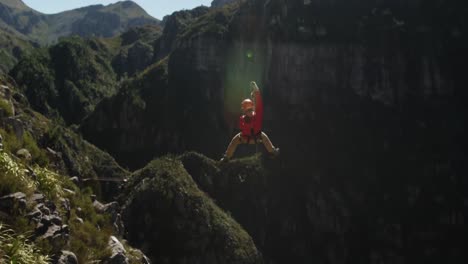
[224, 159]
[275, 153]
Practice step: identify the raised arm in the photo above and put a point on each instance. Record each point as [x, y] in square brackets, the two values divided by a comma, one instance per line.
[257, 97]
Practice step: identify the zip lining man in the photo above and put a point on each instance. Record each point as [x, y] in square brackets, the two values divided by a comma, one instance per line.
[250, 124]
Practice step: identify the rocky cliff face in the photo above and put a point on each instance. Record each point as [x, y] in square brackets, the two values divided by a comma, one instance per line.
[48, 213]
[174, 25]
[70, 78]
[366, 101]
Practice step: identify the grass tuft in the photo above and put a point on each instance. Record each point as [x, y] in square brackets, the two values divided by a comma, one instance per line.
[16, 248]
[13, 176]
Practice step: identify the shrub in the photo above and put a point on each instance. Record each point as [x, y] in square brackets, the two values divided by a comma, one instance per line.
[13, 176]
[38, 155]
[10, 142]
[16, 248]
[48, 182]
[13, 144]
[89, 239]
[6, 107]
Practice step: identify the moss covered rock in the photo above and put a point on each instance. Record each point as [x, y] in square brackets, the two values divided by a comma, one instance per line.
[173, 221]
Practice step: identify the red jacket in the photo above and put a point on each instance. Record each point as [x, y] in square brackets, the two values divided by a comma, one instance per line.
[252, 126]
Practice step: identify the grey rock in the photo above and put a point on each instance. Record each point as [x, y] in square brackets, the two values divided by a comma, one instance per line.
[52, 154]
[78, 220]
[56, 220]
[98, 206]
[24, 154]
[144, 259]
[35, 215]
[52, 231]
[65, 204]
[44, 209]
[17, 125]
[51, 206]
[66, 229]
[13, 203]
[75, 180]
[38, 198]
[69, 191]
[67, 257]
[118, 251]
[113, 209]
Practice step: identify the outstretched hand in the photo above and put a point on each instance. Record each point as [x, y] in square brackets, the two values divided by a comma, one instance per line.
[253, 86]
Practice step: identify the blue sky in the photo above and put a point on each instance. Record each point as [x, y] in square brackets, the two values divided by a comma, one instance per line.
[156, 8]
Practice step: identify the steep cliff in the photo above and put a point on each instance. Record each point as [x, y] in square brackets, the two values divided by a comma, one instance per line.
[366, 101]
[174, 25]
[70, 77]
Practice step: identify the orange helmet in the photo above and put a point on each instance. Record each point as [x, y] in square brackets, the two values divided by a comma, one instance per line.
[247, 104]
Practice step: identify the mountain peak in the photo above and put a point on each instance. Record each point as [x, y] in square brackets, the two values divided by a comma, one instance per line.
[127, 4]
[16, 4]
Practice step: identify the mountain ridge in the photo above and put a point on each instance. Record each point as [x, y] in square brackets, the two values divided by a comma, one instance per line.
[96, 20]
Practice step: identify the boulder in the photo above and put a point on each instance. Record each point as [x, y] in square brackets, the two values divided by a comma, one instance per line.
[37, 198]
[13, 203]
[118, 252]
[17, 126]
[75, 180]
[24, 154]
[67, 257]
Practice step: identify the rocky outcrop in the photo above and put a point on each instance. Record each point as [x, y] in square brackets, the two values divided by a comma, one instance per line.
[118, 252]
[174, 25]
[140, 120]
[113, 210]
[312, 217]
[181, 224]
[13, 203]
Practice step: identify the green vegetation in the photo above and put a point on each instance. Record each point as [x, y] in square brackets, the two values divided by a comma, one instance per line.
[5, 106]
[84, 159]
[12, 48]
[70, 77]
[197, 226]
[96, 20]
[12, 144]
[16, 248]
[48, 182]
[36, 80]
[215, 22]
[88, 240]
[13, 176]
